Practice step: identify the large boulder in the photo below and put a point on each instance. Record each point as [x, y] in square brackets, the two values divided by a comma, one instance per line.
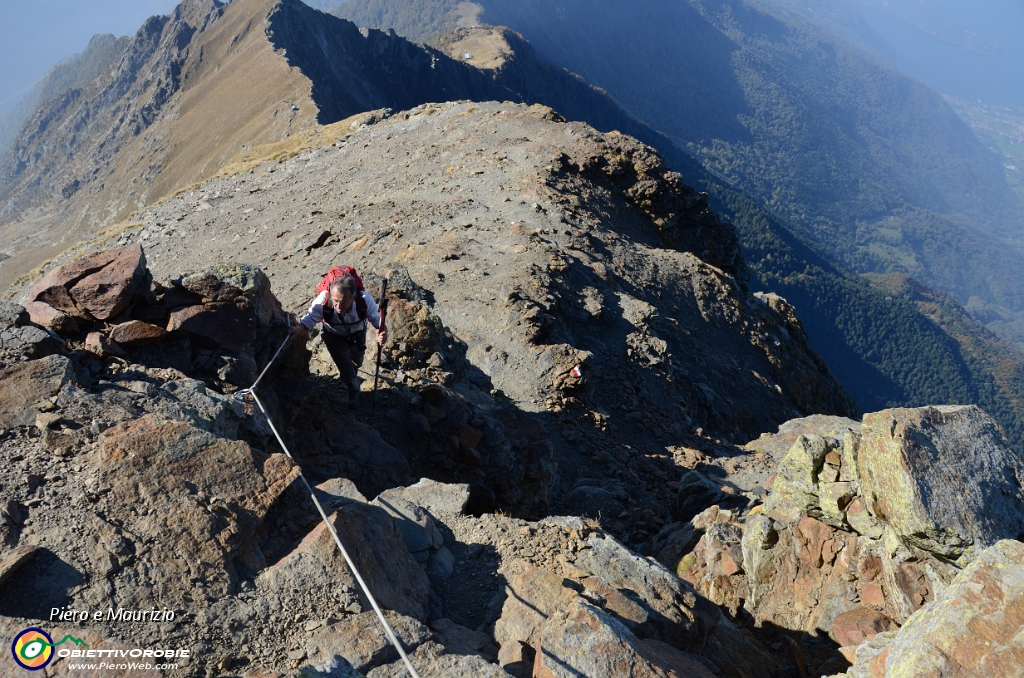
[440, 499]
[203, 494]
[973, 628]
[53, 287]
[234, 322]
[24, 385]
[865, 524]
[100, 286]
[417, 527]
[682, 619]
[377, 548]
[645, 612]
[912, 466]
[582, 640]
[234, 301]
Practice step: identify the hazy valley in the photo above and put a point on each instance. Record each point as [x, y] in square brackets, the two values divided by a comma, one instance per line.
[622, 426]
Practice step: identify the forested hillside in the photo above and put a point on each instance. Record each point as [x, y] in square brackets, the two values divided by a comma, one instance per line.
[890, 340]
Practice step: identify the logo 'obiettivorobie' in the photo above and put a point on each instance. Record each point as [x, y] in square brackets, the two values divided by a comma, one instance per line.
[33, 648]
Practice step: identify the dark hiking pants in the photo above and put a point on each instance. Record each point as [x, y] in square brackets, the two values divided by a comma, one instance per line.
[348, 356]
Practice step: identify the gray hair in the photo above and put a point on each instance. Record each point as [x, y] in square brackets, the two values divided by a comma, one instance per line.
[344, 284]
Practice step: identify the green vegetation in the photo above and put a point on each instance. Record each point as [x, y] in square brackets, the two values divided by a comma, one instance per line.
[1001, 129]
[890, 340]
[997, 370]
[824, 135]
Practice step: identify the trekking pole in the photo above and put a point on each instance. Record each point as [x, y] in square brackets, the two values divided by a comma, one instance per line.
[380, 345]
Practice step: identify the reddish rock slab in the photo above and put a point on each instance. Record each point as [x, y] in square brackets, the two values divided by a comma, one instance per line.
[732, 561]
[25, 384]
[43, 314]
[872, 594]
[136, 333]
[168, 466]
[972, 628]
[63, 277]
[810, 536]
[860, 625]
[223, 323]
[107, 292]
[98, 344]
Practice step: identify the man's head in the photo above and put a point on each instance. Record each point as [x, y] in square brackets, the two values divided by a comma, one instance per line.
[343, 293]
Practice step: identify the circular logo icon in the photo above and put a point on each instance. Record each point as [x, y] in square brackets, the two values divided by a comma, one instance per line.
[32, 649]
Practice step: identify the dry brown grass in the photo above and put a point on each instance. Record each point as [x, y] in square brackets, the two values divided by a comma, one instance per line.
[318, 137]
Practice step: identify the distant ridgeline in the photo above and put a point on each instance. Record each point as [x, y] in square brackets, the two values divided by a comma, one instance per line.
[418, 20]
[71, 73]
[824, 159]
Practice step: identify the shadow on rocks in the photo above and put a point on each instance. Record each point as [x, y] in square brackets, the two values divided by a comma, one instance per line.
[33, 592]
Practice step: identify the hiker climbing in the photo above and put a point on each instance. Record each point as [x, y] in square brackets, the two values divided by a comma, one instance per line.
[343, 307]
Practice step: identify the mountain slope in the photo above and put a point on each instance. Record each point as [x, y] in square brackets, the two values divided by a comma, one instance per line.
[997, 370]
[183, 100]
[834, 141]
[962, 49]
[890, 340]
[547, 242]
[77, 71]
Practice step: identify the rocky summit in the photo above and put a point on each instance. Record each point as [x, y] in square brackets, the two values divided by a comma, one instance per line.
[592, 450]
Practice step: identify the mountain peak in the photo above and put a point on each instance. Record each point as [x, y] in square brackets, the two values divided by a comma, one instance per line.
[197, 13]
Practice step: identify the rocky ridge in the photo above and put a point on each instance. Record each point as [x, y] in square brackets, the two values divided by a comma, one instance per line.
[139, 429]
[531, 284]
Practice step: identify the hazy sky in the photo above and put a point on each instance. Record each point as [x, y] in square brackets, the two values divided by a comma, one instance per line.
[36, 34]
[996, 78]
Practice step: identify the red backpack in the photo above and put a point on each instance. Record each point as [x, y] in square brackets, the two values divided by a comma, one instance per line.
[336, 273]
